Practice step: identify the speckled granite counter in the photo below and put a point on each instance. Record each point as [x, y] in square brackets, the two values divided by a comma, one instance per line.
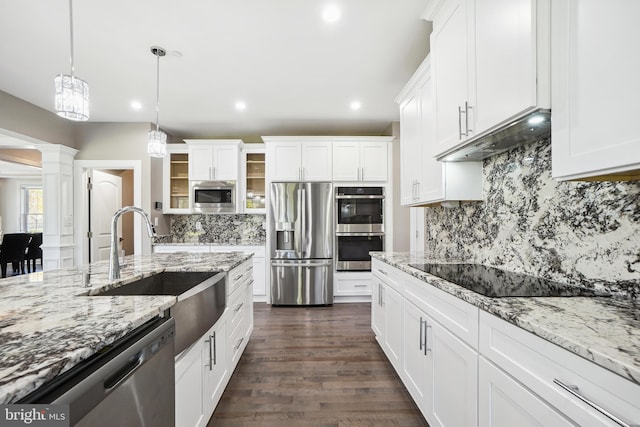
[49, 323]
[603, 330]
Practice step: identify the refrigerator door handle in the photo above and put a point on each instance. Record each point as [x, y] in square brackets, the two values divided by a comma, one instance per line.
[303, 206]
[297, 227]
[301, 264]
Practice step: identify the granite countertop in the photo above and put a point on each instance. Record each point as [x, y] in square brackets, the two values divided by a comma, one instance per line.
[49, 323]
[232, 243]
[603, 330]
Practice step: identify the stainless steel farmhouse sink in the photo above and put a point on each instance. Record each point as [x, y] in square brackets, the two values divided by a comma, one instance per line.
[201, 300]
[165, 283]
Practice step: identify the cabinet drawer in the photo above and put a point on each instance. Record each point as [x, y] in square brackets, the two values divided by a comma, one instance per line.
[460, 317]
[538, 363]
[389, 275]
[239, 275]
[236, 306]
[353, 286]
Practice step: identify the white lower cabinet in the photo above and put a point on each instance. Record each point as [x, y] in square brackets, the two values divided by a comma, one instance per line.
[203, 370]
[202, 373]
[504, 402]
[465, 367]
[438, 369]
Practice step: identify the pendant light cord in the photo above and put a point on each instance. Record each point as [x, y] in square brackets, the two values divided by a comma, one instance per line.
[157, 90]
[71, 37]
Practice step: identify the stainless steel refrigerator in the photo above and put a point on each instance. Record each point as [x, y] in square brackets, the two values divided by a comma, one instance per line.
[301, 243]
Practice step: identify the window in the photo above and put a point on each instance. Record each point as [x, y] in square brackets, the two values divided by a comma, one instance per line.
[32, 212]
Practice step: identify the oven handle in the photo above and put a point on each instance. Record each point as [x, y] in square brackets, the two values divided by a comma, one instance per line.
[372, 196]
[342, 234]
[301, 264]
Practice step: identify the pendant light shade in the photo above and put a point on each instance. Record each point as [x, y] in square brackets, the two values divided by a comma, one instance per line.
[72, 93]
[157, 139]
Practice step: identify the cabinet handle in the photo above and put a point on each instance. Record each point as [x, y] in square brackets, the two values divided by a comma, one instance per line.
[210, 175]
[214, 172]
[574, 390]
[417, 189]
[460, 122]
[360, 285]
[215, 352]
[467, 107]
[426, 338]
[210, 364]
[421, 333]
[236, 347]
[238, 307]
[383, 272]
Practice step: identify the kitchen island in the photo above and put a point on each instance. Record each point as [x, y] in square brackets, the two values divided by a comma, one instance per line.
[506, 360]
[51, 321]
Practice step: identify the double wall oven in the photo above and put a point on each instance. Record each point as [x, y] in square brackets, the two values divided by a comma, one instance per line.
[359, 226]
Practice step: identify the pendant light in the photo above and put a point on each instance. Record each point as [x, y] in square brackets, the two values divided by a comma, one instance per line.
[72, 93]
[157, 140]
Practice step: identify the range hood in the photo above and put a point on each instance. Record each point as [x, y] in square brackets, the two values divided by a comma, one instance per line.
[525, 130]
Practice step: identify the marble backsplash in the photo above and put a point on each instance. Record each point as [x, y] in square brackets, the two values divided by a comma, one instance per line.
[223, 229]
[571, 232]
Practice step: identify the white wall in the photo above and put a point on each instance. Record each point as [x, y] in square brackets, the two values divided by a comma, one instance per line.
[401, 218]
[23, 118]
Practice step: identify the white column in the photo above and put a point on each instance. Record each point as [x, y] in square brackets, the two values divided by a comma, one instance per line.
[57, 186]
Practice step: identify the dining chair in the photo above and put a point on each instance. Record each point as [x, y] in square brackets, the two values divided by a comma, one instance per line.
[14, 250]
[34, 251]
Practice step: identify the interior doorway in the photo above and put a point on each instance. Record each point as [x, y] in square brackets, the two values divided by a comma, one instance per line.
[114, 183]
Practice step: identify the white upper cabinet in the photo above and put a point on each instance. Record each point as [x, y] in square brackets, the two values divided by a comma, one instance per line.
[214, 160]
[361, 159]
[595, 86]
[175, 180]
[425, 180]
[298, 158]
[490, 63]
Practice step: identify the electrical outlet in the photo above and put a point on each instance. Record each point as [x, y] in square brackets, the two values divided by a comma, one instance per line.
[155, 222]
[198, 226]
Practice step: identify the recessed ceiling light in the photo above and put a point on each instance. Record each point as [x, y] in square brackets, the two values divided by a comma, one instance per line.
[240, 106]
[331, 13]
[136, 105]
[355, 105]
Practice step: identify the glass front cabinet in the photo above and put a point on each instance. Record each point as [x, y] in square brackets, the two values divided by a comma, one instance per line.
[253, 178]
[176, 180]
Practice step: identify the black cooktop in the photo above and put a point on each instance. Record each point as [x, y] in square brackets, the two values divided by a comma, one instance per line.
[493, 282]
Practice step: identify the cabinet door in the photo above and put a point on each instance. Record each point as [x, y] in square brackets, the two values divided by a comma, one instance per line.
[454, 378]
[377, 311]
[259, 276]
[429, 176]
[225, 162]
[392, 303]
[505, 54]
[373, 161]
[284, 161]
[594, 96]
[346, 161]
[316, 161]
[215, 365]
[415, 361]
[451, 67]
[503, 402]
[189, 385]
[409, 147]
[200, 162]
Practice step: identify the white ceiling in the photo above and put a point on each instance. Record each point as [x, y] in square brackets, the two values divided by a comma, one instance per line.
[296, 73]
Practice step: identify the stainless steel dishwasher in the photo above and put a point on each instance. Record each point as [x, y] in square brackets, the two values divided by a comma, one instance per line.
[128, 384]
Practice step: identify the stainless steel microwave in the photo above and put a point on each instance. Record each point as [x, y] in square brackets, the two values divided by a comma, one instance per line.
[213, 196]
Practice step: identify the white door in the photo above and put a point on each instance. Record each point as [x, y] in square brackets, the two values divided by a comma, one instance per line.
[504, 402]
[346, 161]
[416, 237]
[373, 160]
[225, 160]
[415, 361]
[105, 200]
[316, 161]
[454, 377]
[284, 161]
[392, 303]
[200, 162]
[410, 144]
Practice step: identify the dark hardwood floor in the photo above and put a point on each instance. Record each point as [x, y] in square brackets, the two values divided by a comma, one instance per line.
[314, 366]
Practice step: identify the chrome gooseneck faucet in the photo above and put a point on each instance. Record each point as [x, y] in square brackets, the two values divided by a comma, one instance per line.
[114, 264]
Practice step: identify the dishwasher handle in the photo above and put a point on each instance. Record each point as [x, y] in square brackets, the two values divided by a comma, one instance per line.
[124, 372]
